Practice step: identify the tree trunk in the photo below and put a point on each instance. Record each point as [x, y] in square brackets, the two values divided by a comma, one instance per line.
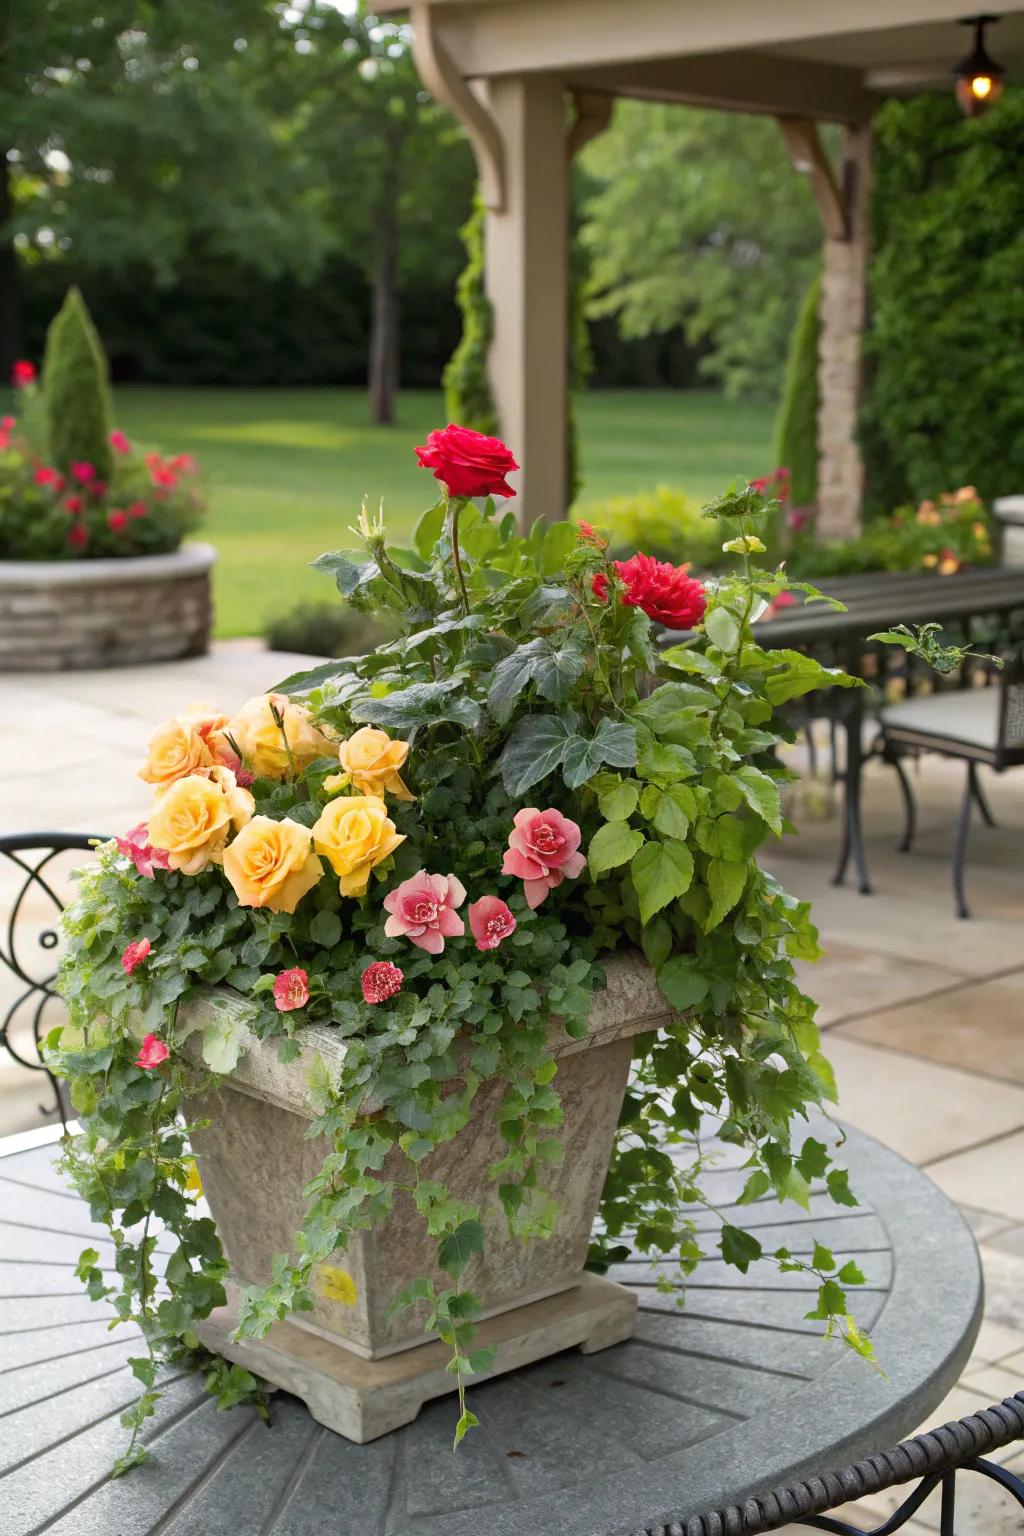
[383, 370]
[10, 302]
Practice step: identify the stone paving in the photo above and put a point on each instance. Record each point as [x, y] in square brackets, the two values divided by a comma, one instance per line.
[923, 1013]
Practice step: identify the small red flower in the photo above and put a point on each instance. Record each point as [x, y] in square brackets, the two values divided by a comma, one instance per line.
[588, 534]
[490, 921]
[117, 520]
[137, 509]
[779, 601]
[599, 587]
[119, 442]
[291, 989]
[78, 535]
[73, 505]
[135, 845]
[380, 981]
[23, 373]
[152, 1054]
[7, 423]
[97, 488]
[666, 593]
[134, 954]
[46, 475]
[83, 471]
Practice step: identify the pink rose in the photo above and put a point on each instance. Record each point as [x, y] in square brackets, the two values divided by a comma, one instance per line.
[120, 443]
[137, 509]
[291, 989]
[47, 475]
[134, 954]
[117, 520]
[542, 849]
[83, 471]
[152, 1052]
[490, 921]
[380, 981]
[135, 845]
[423, 909]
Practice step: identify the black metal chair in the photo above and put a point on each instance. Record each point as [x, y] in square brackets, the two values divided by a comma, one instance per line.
[31, 854]
[979, 726]
[935, 1458]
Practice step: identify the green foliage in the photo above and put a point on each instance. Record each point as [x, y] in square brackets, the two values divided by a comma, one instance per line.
[945, 398]
[925, 641]
[664, 523]
[796, 426]
[324, 629]
[700, 221]
[77, 390]
[945, 537]
[467, 393]
[541, 694]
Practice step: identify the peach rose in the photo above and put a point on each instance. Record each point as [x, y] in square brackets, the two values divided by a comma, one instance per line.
[212, 725]
[370, 761]
[354, 834]
[261, 740]
[175, 750]
[192, 818]
[272, 864]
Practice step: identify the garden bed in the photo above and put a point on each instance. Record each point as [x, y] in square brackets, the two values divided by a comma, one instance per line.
[58, 615]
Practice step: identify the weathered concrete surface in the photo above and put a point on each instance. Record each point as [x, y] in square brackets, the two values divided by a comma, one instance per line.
[255, 1159]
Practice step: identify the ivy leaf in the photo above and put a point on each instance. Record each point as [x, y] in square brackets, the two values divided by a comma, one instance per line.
[551, 665]
[613, 844]
[455, 1252]
[613, 744]
[619, 802]
[838, 1183]
[851, 1274]
[325, 929]
[739, 1248]
[761, 793]
[813, 1159]
[660, 872]
[535, 748]
[725, 881]
[419, 704]
[682, 983]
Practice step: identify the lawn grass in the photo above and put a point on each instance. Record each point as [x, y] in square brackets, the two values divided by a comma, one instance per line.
[286, 470]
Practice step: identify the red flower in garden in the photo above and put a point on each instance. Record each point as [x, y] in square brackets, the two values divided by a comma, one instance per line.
[291, 989]
[120, 443]
[380, 981]
[134, 954]
[666, 593]
[135, 845]
[73, 506]
[137, 509]
[97, 488]
[7, 423]
[23, 373]
[47, 475]
[490, 921]
[78, 535]
[117, 520]
[83, 471]
[779, 601]
[152, 1053]
[467, 462]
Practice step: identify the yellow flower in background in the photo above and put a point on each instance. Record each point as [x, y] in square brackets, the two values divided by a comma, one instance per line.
[190, 822]
[175, 750]
[354, 834]
[271, 864]
[930, 561]
[370, 761]
[261, 740]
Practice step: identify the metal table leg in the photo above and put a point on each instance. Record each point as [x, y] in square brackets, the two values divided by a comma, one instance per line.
[853, 839]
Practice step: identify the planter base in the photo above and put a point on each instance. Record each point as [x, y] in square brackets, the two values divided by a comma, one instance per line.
[362, 1399]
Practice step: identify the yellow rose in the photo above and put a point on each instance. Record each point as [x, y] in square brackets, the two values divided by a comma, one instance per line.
[211, 725]
[370, 761]
[240, 802]
[261, 740]
[191, 821]
[354, 834]
[175, 750]
[272, 864]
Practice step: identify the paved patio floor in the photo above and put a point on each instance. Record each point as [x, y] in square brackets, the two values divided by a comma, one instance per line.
[924, 1014]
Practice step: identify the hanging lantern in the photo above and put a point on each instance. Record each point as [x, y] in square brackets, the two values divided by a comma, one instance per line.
[979, 79]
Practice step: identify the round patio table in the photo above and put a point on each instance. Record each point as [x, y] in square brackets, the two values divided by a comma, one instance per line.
[735, 1394]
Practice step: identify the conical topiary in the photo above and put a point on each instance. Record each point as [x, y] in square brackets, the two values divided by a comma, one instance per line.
[796, 425]
[77, 390]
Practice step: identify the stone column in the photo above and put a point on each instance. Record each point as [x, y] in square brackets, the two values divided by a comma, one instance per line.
[526, 265]
[843, 313]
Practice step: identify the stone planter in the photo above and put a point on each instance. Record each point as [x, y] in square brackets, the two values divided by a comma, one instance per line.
[60, 615]
[361, 1372]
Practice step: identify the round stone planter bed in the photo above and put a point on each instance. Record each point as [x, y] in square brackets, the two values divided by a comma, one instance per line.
[77, 614]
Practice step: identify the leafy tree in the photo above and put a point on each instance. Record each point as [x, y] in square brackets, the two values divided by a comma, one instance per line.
[467, 392]
[701, 222]
[944, 403]
[76, 389]
[796, 427]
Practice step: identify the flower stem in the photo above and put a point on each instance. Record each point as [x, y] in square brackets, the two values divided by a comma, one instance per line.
[455, 506]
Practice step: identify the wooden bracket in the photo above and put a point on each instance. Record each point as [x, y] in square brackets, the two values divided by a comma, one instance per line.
[591, 115]
[442, 78]
[808, 156]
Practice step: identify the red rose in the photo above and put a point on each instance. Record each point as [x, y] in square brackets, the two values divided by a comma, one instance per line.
[152, 1053]
[666, 593]
[117, 520]
[467, 462]
[134, 954]
[23, 374]
[380, 981]
[291, 989]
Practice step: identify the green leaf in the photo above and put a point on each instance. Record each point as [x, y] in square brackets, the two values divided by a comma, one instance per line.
[419, 704]
[813, 1159]
[799, 674]
[224, 1040]
[552, 666]
[682, 983]
[428, 530]
[850, 1274]
[535, 748]
[619, 803]
[613, 744]
[613, 844]
[325, 929]
[838, 1184]
[660, 873]
[456, 1251]
[725, 881]
[467, 1422]
[739, 1248]
[722, 630]
[822, 1257]
[761, 793]
[656, 941]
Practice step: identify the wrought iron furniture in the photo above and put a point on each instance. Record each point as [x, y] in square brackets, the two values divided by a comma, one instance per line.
[978, 726]
[935, 1458]
[28, 858]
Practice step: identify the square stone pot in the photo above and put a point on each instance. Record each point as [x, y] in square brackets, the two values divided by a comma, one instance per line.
[255, 1158]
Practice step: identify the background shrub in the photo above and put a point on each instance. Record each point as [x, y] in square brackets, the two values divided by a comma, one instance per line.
[796, 426]
[326, 629]
[664, 523]
[76, 390]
